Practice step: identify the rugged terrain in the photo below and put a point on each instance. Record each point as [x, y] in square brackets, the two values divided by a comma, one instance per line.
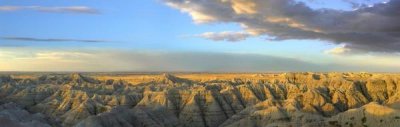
[199, 100]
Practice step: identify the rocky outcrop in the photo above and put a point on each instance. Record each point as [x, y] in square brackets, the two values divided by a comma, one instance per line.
[12, 115]
[288, 99]
[371, 115]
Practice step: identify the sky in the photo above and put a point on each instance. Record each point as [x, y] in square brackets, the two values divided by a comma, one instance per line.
[200, 35]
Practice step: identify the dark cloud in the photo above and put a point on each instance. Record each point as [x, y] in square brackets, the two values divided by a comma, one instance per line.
[52, 39]
[68, 9]
[370, 29]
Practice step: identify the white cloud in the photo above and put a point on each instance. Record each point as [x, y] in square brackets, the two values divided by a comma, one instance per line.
[225, 36]
[62, 55]
[244, 6]
[338, 50]
[198, 16]
[9, 8]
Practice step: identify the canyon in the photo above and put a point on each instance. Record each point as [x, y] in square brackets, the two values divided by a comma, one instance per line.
[199, 99]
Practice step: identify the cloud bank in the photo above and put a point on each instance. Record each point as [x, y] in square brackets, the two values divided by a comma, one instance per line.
[368, 29]
[111, 60]
[68, 9]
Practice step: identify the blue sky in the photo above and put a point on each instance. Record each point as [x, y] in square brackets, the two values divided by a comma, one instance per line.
[149, 26]
[152, 26]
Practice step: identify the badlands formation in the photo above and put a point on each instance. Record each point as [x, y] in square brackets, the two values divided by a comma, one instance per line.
[200, 100]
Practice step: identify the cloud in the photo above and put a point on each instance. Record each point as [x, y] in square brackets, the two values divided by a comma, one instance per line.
[102, 60]
[368, 29]
[68, 9]
[338, 50]
[112, 60]
[60, 55]
[225, 36]
[51, 39]
[11, 45]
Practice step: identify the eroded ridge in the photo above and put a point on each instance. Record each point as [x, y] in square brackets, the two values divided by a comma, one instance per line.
[200, 100]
